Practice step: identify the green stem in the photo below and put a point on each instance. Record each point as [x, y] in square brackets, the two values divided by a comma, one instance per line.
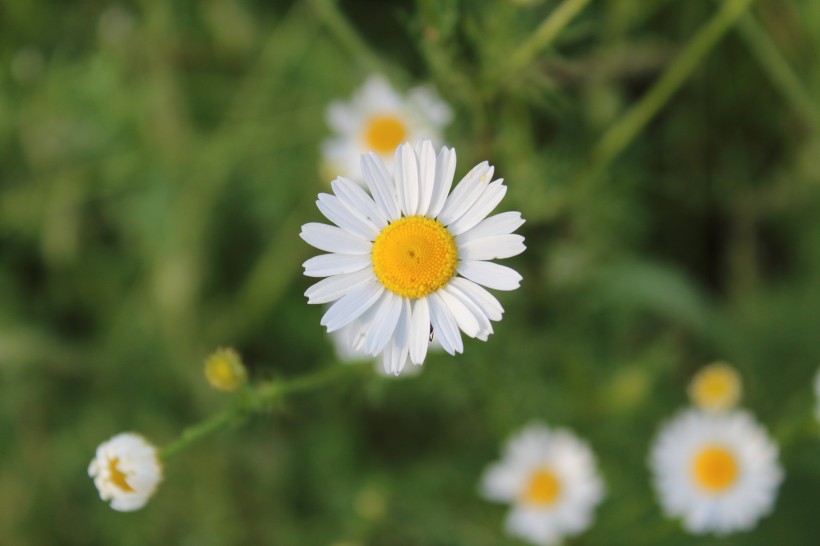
[623, 132]
[779, 72]
[251, 401]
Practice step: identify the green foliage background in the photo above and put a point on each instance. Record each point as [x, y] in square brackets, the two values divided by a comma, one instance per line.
[158, 158]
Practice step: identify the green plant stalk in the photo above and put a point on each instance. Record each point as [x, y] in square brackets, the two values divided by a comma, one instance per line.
[543, 36]
[253, 400]
[624, 131]
[778, 70]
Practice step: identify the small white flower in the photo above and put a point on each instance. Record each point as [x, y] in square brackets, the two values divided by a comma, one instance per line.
[717, 471]
[410, 256]
[126, 471]
[378, 119]
[550, 478]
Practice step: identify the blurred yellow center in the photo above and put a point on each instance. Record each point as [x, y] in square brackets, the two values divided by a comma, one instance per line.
[383, 134]
[118, 477]
[715, 469]
[716, 387]
[543, 489]
[414, 256]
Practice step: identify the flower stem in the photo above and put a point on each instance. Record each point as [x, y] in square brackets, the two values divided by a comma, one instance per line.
[251, 401]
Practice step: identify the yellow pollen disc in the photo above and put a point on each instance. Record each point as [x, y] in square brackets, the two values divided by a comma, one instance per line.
[414, 256]
[118, 477]
[383, 134]
[715, 387]
[715, 469]
[543, 489]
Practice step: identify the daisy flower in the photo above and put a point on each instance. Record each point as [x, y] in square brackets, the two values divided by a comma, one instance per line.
[715, 387]
[407, 260]
[378, 119]
[717, 471]
[550, 478]
[126, 471]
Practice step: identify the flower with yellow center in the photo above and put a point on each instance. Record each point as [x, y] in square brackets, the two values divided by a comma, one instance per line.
[126, 471]
[224, 370]
[409, 259]
[550, 479]
[377, 119]
[716, 387]
[717, 471]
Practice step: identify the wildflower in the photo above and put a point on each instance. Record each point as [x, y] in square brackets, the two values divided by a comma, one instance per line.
[550, 478]
[126, 471]
[224, 370]
[716, 387]
[408, 259]
[378, 119]
[717, 471]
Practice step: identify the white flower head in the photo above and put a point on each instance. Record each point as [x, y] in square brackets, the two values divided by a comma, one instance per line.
[378, 119]
[550, 478]
[408, 258]
[717, 471]
[126, 471]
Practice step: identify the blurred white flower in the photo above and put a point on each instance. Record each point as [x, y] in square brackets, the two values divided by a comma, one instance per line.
[378, 119]
[716, 387]
[717, 471]
[549, 477]
[126, 471]
[395, 255]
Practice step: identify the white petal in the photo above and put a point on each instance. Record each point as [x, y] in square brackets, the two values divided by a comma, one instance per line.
[427, 175]
[485, 328]
[383, 324]
[490, 199]
[500, 224]
[341, 118]
[466, 193]
[445, 169]
[355, 199]
[483, 299]
[336, 286]
[381, 185]
[334, 239]
[419, 330]
[464, 318]
[407, 179]
[336, 212]
[492, 248]
[491, 275]
[352, 305]
[444, 325]
[395, 354]
[326, 265]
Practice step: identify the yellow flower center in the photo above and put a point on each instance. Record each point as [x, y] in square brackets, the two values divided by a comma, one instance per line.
[117, 476]
[414, 256]
[224, 370]
[716, 387]
[715, 469]
[383, 134]
[543, 489]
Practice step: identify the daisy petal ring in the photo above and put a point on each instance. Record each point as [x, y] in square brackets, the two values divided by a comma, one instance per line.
[410, 259]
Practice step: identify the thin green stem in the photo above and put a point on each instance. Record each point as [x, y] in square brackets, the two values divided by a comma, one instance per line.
[253, 400]
[543, 36]
[778, 70]
[624, 131]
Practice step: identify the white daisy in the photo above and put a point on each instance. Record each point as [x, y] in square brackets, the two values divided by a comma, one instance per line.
[126, 471]
[717, 471]
[716, 387]
[550, 478]
[406, 260]
[378, 119]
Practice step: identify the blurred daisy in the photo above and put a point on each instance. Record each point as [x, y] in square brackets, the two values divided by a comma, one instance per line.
[407, 260]
[224, 370]
[717, 471]
[715, 387]
[378, 119]
[549, 477]
[126, 471]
